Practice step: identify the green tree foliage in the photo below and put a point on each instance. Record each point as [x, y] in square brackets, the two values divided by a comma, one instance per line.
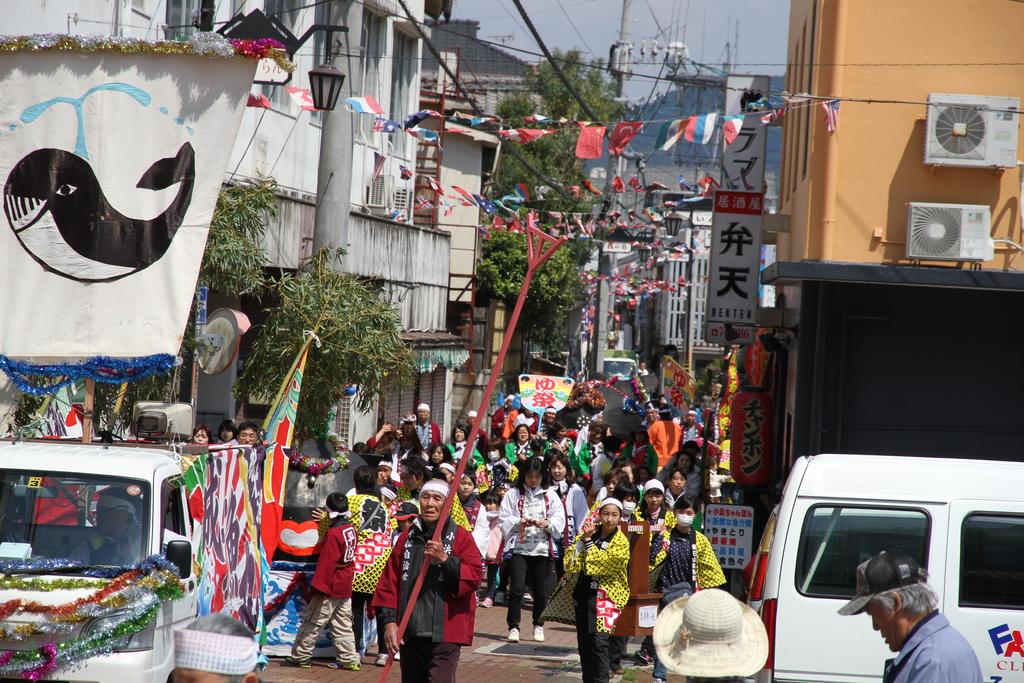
[555, 287]
[360, 341]
[234, 259]
[554, 155]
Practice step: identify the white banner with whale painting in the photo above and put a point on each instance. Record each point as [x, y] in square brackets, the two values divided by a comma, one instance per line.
[111, 165]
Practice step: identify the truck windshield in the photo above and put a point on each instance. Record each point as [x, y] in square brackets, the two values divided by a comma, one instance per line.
[619, 367]
[92, 519]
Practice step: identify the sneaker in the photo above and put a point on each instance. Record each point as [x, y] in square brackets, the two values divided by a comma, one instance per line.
[348, 666]
[487, 602]
[301, 663]
[513, 635]
[538, 634]
[643, 658]
[527, 598]
[398, 656]
[658, 680]
[382, 660]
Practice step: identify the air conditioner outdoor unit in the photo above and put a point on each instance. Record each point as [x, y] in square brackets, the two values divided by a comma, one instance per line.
[402, 199]
[378, 191]
[949, 232]
[971, 130]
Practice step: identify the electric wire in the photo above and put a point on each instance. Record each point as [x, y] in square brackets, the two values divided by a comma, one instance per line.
[573, 24]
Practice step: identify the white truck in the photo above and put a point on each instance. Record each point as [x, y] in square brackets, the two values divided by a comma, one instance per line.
[50, 499]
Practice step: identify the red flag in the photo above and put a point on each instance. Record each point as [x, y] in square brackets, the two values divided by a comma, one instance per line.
[261, 101]
[618, 185]
[634, 183]
[590, 144]
[621, 136]
[589, 187]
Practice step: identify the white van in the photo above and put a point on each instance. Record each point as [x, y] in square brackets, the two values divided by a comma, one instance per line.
[48, 498]
[962, 519]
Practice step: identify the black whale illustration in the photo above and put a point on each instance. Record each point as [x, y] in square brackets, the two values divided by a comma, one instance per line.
[57, 209]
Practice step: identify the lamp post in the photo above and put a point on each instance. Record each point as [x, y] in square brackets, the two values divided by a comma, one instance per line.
[674, 223]
[325, 81]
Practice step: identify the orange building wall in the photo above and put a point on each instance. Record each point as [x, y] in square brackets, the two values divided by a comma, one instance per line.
[879, 148]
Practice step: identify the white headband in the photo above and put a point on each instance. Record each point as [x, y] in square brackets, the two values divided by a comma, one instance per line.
[611, 501]
[654, 484]
[214, 652]
[436, 486]
[423, 406]
[448, 466]
[385, 492]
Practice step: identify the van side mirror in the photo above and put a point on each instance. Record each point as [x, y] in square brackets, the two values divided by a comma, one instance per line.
[179, 553]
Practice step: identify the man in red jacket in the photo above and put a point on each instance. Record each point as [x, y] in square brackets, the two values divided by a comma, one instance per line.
[443, 618]
[332, 593]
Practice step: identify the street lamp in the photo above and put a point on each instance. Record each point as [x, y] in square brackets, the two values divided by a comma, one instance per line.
[325, 83]
[674, 223]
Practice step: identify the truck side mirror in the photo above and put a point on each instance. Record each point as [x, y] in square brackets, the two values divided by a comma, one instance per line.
[179, 553]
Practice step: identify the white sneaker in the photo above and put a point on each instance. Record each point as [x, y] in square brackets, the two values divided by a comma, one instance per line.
[538, 634]
[513, 635]
[382, 660]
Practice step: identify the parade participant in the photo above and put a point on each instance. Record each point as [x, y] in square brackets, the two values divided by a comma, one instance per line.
[605, 459]
[373, 527]
[482, 441]
[414, 474]
[892, 588]
[532, 518]
[504, 419]
[596, 565]
[215, 649]
[428, 432]
[443, 617]
[574, 503]
[685, 461]
[227, 432]
[331, 602]
[665, 435]
[248, 433]
[547, 423]
[489, 542]
[519, 449]
[627, 494]
[691, 430]
[676, 486]
[384, 437]
[200, 435]
[407, 445]
[711, 637]
[467, 495]
[640, 451]
[456, 449]
[662, 520]
[689, 563]
[404, 515]
[591, 450]
[558, 442]
[650, 415]
[115, 538]
[527, 417]
[438, 454]
[497, 472]
[446, 470]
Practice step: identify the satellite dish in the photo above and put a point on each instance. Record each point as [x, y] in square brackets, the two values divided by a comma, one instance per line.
[220, 338]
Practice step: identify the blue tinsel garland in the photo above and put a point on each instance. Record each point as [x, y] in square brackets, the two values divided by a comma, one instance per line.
[59, 564]
[100, 369]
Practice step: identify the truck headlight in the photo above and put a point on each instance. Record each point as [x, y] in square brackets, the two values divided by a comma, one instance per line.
[143, 640]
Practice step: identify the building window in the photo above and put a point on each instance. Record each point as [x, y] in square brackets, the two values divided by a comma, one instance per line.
[373, 47]
[992, 562]
[180, 15]
[403, 75]
[835, 540]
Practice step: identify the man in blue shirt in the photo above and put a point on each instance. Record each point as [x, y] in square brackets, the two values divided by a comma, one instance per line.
[892, 589]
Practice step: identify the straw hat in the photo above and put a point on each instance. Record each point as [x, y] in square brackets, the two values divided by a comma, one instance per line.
[710, 634]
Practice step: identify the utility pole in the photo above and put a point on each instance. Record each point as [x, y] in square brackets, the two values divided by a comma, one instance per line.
[206, 15]
[620, 61]
[334, 172]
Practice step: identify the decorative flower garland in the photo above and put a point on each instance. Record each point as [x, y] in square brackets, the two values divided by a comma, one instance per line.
[314, 467]
[587, 396]
[135, 592]
[202, 44]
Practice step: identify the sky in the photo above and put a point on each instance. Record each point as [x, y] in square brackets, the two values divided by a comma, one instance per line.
[594, 26]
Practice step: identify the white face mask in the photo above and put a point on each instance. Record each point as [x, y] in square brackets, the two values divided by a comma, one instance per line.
[494, 455]
[684, 520]
[491, 514]
[628, 507]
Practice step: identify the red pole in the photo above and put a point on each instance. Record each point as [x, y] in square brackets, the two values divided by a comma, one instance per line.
[537, 255]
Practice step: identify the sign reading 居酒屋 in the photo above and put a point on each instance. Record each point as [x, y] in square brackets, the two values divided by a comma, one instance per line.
[540, 392]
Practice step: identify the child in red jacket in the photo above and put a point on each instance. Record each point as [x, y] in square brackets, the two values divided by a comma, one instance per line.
[331, 601]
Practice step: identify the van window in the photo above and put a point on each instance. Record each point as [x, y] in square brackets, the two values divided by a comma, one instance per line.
[835, 540]
[992, 561]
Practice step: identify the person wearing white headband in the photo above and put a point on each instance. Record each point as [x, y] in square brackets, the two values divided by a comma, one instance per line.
[596, 567]
[428, 431]
[215, 649]
[443, 617]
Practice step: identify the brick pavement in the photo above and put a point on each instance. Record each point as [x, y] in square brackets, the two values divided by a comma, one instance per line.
[477, 664]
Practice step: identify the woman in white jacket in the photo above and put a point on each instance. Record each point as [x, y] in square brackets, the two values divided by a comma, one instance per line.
[532, 521]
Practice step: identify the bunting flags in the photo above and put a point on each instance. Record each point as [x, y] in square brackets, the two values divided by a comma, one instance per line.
[378, 165]
[301, 97]
[590, 144]
[634, 183]
[589, 187]
[700, 128]
[424, 203]
[484, 203]
[259, 101]
[621, 136]
[397, 215]
[618, 185]
[670, 133]
[415, 119]
[436, 186]
[731, 127]
[524, 135]
[280, 429]
[536, 118]
[382, 124]
[522, 191]
[362, 105]
[831, 109]
[466, 197]
[424, 134]
[404, 172]
[683, 185]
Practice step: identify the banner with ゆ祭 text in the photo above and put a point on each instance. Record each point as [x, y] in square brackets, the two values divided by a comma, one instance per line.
[111, 165]
[678, 383]
[540, 392]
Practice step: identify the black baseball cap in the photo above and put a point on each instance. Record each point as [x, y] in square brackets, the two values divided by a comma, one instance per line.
[406, 511]
[884, 572]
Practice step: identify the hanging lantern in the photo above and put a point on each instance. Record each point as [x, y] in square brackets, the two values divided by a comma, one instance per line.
[750, 436]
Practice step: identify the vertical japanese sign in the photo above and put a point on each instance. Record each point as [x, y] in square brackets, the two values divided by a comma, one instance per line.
[743, 161]
[678, 384]
[735, 258]
[539, 392]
